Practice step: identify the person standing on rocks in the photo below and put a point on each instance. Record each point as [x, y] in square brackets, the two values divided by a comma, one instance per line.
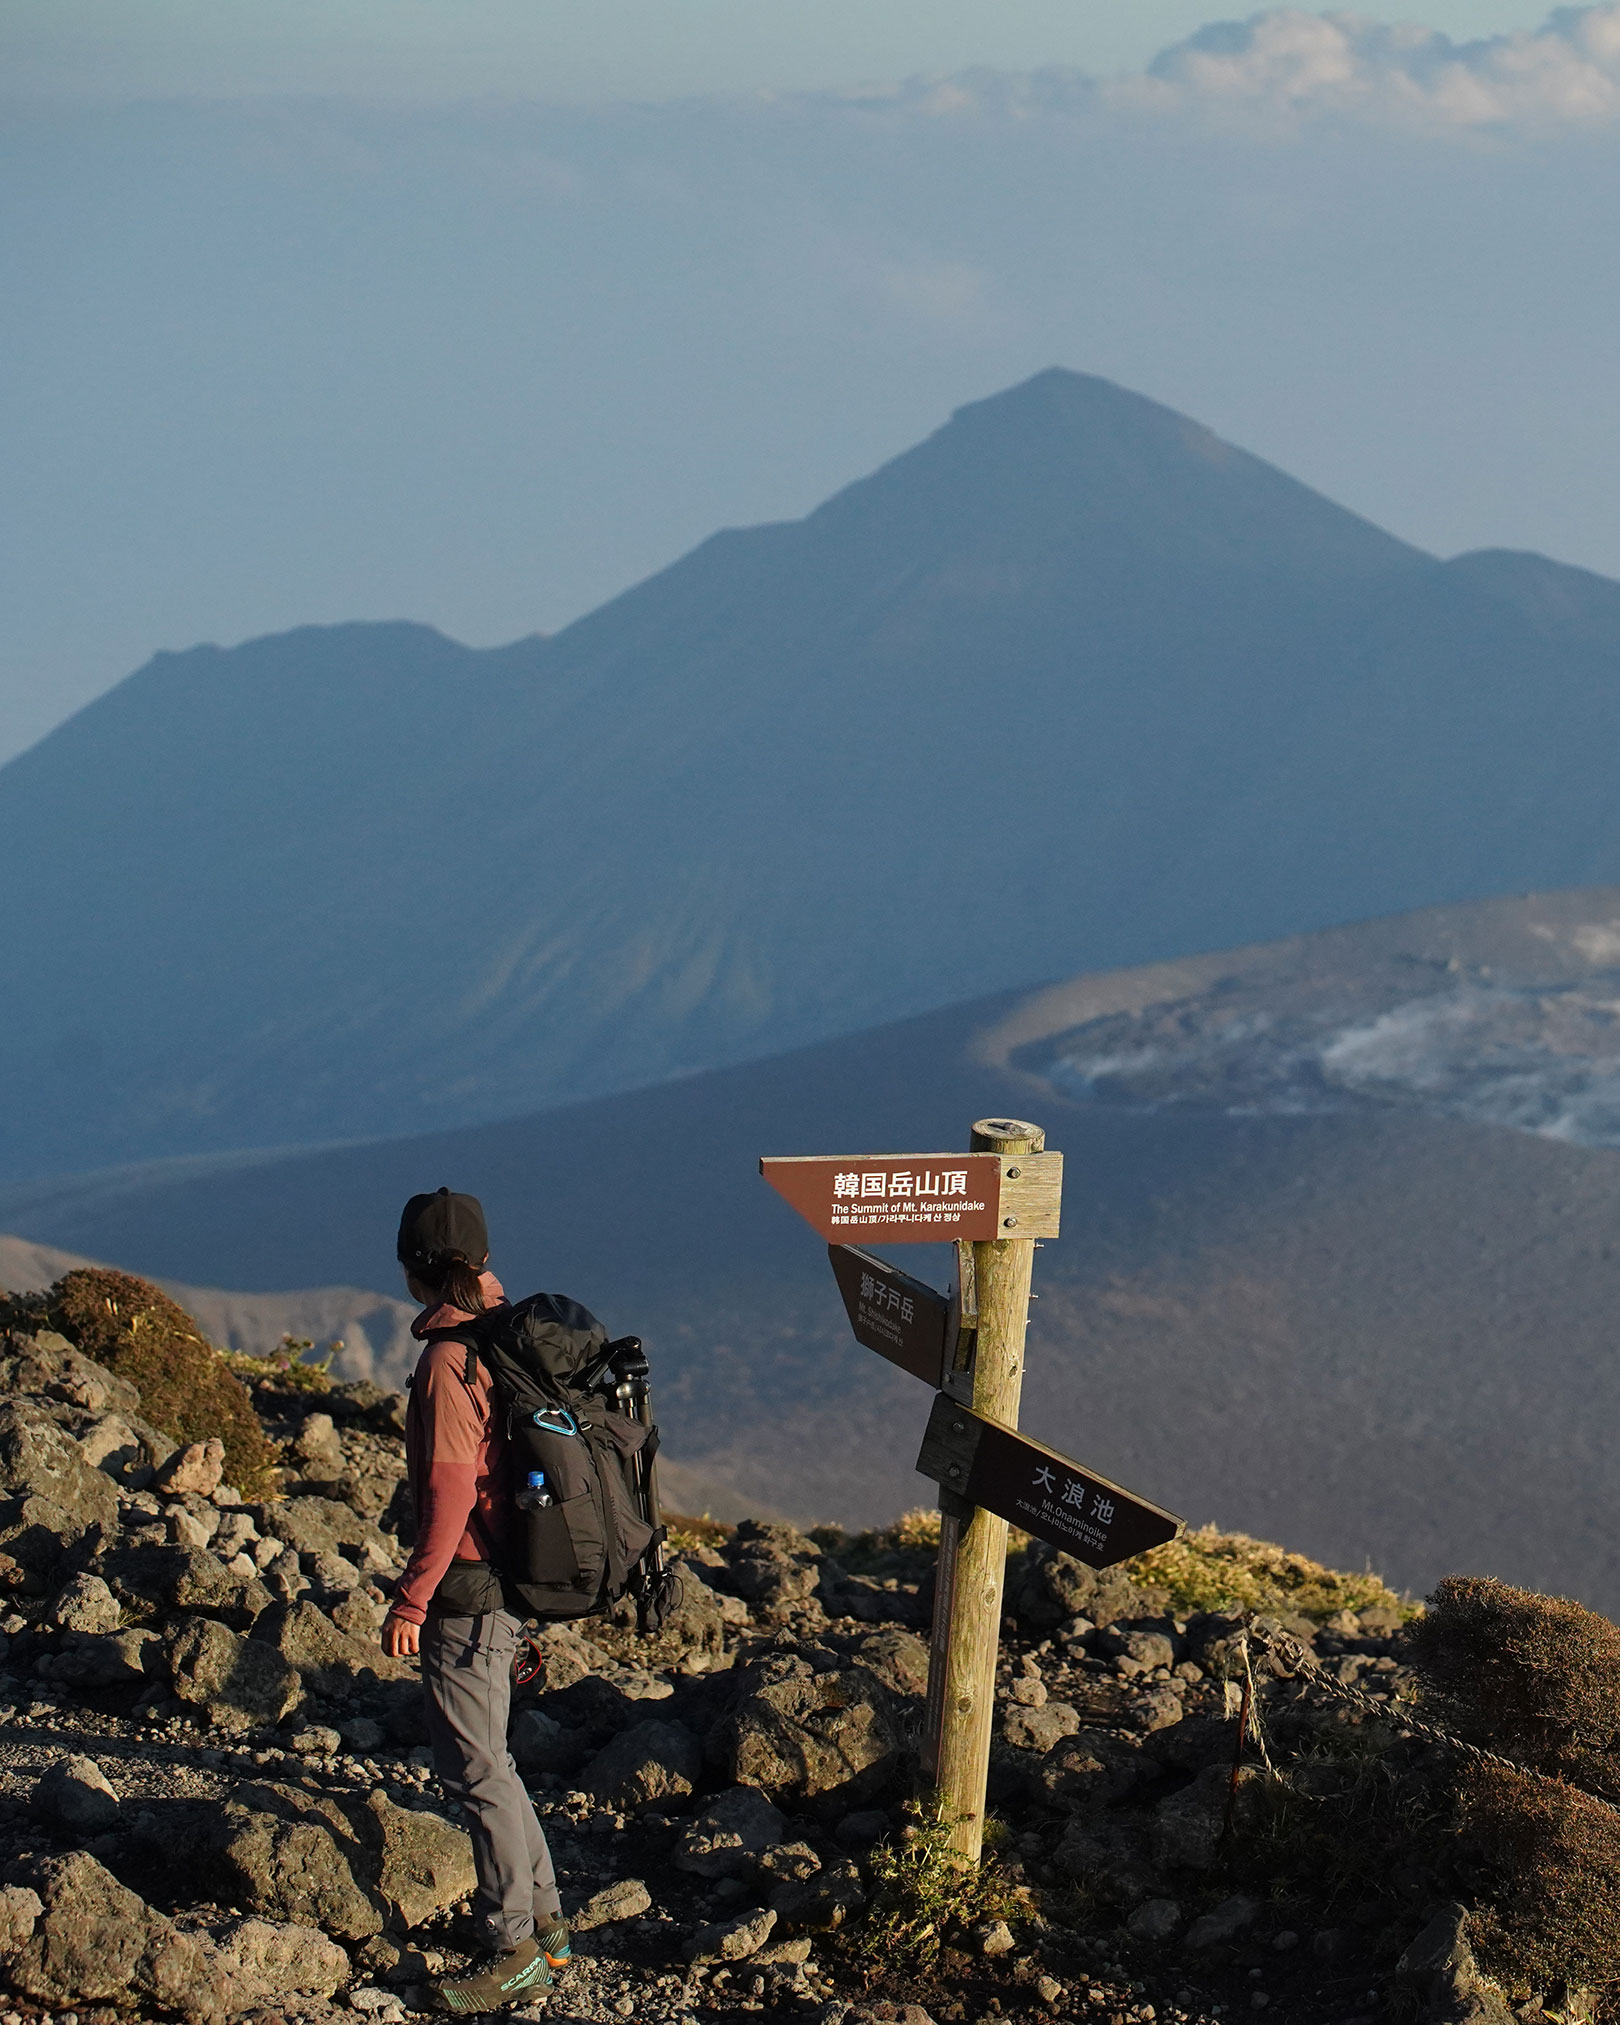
[449, 1604]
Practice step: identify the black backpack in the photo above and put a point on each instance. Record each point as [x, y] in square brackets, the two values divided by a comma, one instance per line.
[578, 1408]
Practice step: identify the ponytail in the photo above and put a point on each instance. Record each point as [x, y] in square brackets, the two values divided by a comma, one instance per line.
[456, 1281]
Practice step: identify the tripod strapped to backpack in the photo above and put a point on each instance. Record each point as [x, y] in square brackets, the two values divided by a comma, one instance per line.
[578, 1414]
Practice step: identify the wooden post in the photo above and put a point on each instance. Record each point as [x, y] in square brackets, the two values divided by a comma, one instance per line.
[972, 1601]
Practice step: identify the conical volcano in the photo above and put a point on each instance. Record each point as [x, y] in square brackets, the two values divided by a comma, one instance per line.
[1071, 684]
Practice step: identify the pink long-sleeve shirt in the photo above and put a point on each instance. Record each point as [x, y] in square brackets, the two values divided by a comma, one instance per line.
[455, 1458]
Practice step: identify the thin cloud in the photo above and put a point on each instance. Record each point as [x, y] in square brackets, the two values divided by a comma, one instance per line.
[1291, 64]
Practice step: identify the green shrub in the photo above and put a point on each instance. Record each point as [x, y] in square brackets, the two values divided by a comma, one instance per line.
[187, 1389]
[922, 1894]
[1208, 1570]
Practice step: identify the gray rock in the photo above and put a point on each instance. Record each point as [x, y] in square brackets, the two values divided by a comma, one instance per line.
[19, 1909]
[268, 1962]
[316, 1525]
[1159, 1709]
[86, 1604]
[898, 1658]
[569, 1656]
[292, 1856]
[1440, 1966]
[1038, 1729]
[789, 1862]
[332, 1574]
[40, 1459]
[1028, 1690]
[1088, 1769]
[363, 1735]
[731, 1832]
[539, 1743]
[185, 1578]
[732, 1940]
[330, 1661]
[109, 1659]
[652, 1761]
[95, 1942]
[196, 1468]
[1148, 1648]
[76, 1794]
[48, 1364]
[626, 1900]
[1155, 1919]
[831, 1739]
[124, 1448]
[994, 1938]
[1109, 1854]
[818, 1904]
[236, 1681]
[424, 1864]
[1048, 1588]
[1233, 1916]
[1187, 1825]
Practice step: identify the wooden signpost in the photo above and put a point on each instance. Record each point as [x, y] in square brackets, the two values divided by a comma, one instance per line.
[995, 1201]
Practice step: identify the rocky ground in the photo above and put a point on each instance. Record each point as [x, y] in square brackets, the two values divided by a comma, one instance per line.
[216, 1798]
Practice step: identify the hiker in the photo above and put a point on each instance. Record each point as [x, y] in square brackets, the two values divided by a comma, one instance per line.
[450, 1607]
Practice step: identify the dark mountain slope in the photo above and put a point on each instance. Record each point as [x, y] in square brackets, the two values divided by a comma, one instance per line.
[1072, 684]
[1310, 1282]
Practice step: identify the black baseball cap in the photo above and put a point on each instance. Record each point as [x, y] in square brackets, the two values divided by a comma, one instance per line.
[438, 1227]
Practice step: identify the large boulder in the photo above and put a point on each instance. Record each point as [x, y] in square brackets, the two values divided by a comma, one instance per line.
[237, 1682]
[186, 1579]
[37, 1538]
[85, 1604]
[197, 1470]
[727, 1838]
[772, 1567]
[539, 1743]
[48, 1364]
[104, 1659]
[652, 1761]
[270, 1963]
[316, 1525]
[94, 1942]
[77, 1795]
[297, 1857]
[40, 1459]
[348, 1867]
[898, 1658]
[1089, 1769]
[331, 1661]
[1045, 1588]
[1187, 1826]
[424, 1863]
[830, 1739]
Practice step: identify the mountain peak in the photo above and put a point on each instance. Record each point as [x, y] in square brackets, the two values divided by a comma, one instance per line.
[1072, 462]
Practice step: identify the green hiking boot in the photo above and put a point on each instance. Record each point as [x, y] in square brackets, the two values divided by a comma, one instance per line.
[557, 1942]
[506, 1979]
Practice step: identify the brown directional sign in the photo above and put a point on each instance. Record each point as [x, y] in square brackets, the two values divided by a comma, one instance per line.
[922, 1198]
[905, 1198]
[899, 1317]
[1035, 1487]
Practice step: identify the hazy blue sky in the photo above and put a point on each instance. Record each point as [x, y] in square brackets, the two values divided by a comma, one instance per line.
[305, 320]
[587, 51]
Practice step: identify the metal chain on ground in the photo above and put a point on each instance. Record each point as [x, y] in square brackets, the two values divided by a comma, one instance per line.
[1290, 1654]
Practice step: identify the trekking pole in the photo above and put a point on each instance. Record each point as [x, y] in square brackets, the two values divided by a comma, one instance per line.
[634, 1394]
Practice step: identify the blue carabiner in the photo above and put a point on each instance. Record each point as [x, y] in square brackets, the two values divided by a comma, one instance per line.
[549, 1427]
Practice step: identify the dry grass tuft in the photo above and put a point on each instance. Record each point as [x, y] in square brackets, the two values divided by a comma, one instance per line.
[1209, 1570]
[1555, 1915]
[187, 1389]
[1534, 1677]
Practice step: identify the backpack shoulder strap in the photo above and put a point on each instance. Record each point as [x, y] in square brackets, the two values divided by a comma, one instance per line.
[468, 1341]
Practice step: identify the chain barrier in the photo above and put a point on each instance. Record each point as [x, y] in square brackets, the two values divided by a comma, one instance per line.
[1290, 1656]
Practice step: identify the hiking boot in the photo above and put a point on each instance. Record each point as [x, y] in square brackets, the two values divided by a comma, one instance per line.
[557, 1942]
[511, 1978]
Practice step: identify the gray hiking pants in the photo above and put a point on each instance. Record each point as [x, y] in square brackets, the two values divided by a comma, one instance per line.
[467, 1672]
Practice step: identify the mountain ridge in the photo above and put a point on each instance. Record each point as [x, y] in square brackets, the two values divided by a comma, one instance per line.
[1070, 659]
